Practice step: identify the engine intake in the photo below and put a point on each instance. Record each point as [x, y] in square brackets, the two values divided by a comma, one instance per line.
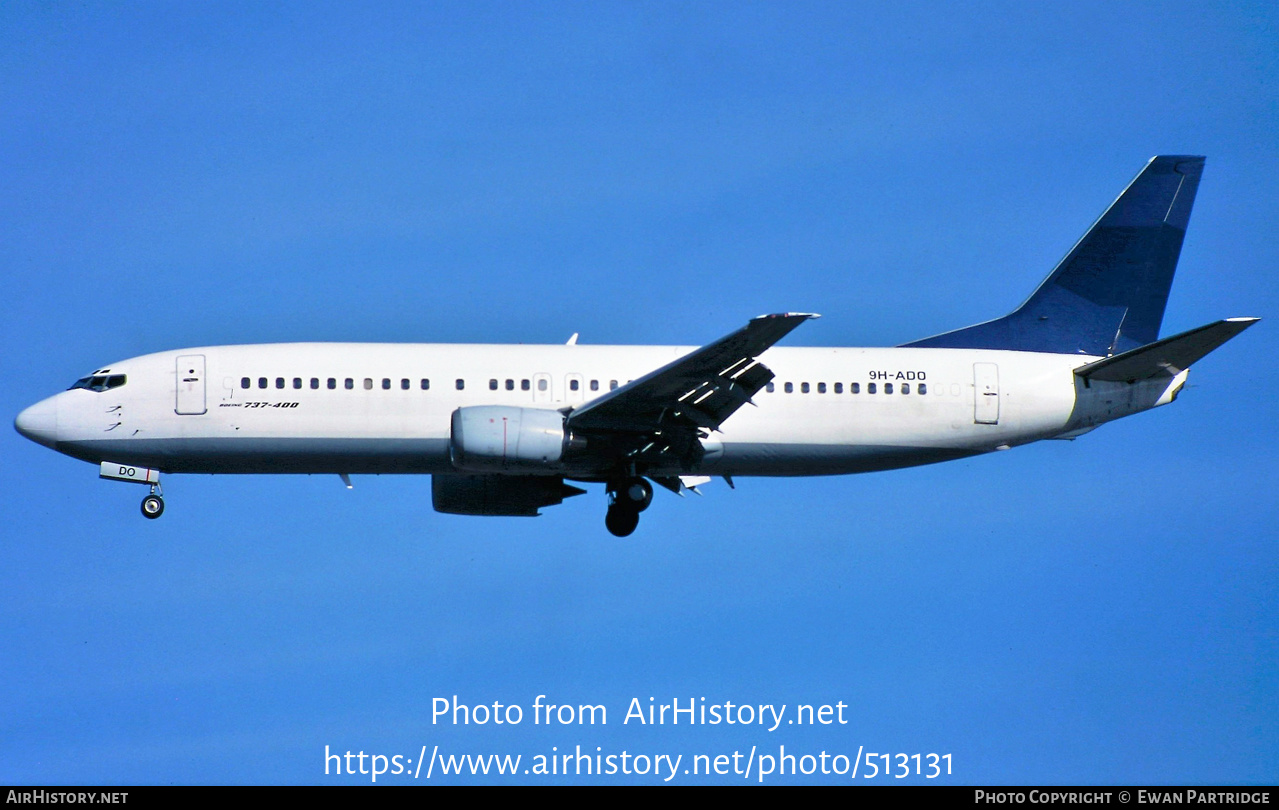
[492, 438]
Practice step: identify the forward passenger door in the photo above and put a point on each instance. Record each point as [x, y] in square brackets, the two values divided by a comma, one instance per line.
[190, 385]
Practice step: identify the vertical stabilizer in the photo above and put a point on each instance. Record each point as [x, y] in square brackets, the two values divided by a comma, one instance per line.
[1109, 292]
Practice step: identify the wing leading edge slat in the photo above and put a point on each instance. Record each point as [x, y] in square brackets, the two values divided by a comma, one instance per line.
[701, 389]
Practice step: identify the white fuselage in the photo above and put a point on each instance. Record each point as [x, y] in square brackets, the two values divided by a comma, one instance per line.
[363, 408]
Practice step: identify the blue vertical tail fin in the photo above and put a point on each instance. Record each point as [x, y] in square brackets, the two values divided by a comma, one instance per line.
[1109, 292]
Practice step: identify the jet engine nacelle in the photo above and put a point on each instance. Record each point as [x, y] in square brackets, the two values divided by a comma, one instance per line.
[491, 438]
[509, 495]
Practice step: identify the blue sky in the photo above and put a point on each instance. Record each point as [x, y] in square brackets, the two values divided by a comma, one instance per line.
[1095, 611]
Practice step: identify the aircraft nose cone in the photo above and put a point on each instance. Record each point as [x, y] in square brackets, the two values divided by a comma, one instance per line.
[39, 423]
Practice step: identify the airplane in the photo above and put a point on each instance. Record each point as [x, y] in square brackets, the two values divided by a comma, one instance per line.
[501, 429]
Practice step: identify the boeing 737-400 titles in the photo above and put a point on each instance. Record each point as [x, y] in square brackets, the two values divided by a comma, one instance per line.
[501, 429]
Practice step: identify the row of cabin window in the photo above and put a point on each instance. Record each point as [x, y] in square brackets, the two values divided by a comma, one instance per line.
[543, 384]
[406, 384]
[348, 383]
[853, 388]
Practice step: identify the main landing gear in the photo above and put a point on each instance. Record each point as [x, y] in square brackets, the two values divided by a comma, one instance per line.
[626, 499]
[153, 504]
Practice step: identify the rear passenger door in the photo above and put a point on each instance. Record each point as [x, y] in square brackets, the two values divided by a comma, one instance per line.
[986, 393]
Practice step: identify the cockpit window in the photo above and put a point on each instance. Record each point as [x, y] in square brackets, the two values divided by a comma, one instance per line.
[101, 382]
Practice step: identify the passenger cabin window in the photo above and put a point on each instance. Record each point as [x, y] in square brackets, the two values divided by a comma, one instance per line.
[524, 385]
[426, 384]
[333, 383]
[923, 388]
[99, 383]
[595, 385]
[870, 388]
[492, 385]
[510, 385]
[839, 388]
[386, 383]
[856, 388]
[905, 388]
[245, 382]
[541, 385]
[888, 388]
[789, 388]
[350, 384]
[771, 388]
[315, 383]
[404, 384]
[261, 382]
[297, 382]
[461, 384]
[821, 388]
[574, 385]
[803, 388]
[368, 383]
[612, 384]
[279, 382]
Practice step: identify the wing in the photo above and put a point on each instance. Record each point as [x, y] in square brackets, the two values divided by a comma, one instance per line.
[667, 412]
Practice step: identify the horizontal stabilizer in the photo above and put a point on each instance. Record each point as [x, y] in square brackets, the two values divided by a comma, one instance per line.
[1167, 357]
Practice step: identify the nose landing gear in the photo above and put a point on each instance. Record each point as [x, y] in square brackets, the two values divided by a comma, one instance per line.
[153, 504]
[626, 499]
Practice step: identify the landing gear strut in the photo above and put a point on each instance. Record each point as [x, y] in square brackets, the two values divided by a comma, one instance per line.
[153, 504]
[626, 499]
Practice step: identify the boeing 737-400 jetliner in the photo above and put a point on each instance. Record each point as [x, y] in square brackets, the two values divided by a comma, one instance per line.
[501, 428]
